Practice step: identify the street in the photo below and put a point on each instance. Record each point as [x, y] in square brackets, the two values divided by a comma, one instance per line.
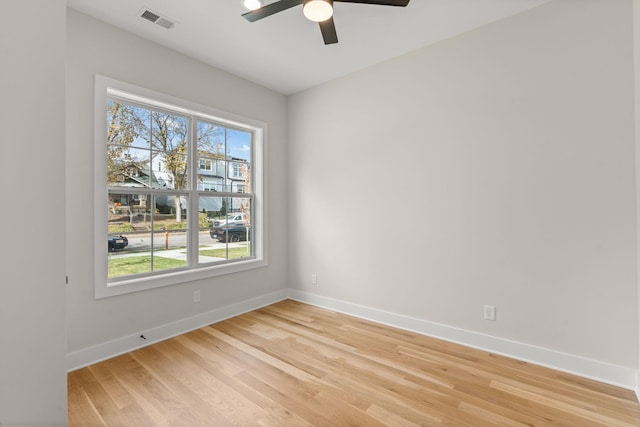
[142, 241]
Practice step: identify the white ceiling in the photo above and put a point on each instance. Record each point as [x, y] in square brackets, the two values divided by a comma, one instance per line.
[285, 51]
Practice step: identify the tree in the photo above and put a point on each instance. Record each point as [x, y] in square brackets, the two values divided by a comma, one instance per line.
[211, 140]
[169, 144]
[124, 125]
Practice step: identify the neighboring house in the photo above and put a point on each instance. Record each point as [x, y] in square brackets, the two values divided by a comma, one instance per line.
[216, 175]
[212, 175]
[221, 175]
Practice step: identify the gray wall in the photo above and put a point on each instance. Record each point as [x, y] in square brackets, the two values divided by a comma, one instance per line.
[32, 278]
[96, 48]
[516, 147]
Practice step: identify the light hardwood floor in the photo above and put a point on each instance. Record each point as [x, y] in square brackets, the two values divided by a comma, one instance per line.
[291, 364]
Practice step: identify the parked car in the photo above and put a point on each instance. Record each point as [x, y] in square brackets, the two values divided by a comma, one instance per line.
[235, 233]
[117, 242]
[231, 220]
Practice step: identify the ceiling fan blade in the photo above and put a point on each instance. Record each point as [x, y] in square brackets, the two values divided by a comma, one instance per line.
[328, 30]
[270, 9]
[401, 3]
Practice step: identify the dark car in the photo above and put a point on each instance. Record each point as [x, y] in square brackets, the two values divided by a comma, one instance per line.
[117, 242]
[234, 233]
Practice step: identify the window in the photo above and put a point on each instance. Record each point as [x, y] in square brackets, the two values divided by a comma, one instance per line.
[237, 169]
[205, 165]
[179, 190]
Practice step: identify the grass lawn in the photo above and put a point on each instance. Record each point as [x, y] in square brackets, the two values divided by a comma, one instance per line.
[240, 252]
[141, 264]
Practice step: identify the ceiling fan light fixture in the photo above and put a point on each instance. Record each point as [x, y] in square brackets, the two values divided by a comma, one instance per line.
[317, 10]
[251, 4]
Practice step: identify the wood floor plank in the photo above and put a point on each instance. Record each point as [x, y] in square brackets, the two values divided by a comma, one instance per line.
[291, 364]
[84, 410]
[292, 402]
[114, 389]
[275, 413]
[206, 397]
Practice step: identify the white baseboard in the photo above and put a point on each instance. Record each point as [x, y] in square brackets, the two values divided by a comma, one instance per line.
[103, 351]
[604, 372]
[611, 374]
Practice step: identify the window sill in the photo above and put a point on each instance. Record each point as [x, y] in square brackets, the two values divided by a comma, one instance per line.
[123, 287]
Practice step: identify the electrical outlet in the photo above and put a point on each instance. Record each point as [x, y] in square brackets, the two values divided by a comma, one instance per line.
[314, 279]
[196, 296]
[489, 312]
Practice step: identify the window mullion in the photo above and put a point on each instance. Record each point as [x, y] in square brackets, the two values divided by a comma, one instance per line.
[192, 175]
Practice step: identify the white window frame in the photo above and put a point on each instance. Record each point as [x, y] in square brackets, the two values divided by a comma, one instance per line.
[105, 86]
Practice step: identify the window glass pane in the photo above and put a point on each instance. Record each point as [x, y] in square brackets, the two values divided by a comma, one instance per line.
[169, 135]
[128, 167]
[224, 158]
[238, 161]
[211, 139]
[169, 171]
[230, 229]
[146, 233]
[238, 176]
[170, 247]
[129, 215]
[127, 125]
[211, 172]
[170, 232]
[239, 145]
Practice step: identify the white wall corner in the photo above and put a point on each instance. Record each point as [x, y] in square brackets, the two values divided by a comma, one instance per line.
[103, 351]
[636, 62]
[620, 376]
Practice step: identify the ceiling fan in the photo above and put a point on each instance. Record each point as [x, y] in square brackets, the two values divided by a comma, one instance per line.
[320, 11]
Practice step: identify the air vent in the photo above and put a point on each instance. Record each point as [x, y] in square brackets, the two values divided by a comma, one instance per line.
[157, 19]
[165, 23]
[150, 16]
